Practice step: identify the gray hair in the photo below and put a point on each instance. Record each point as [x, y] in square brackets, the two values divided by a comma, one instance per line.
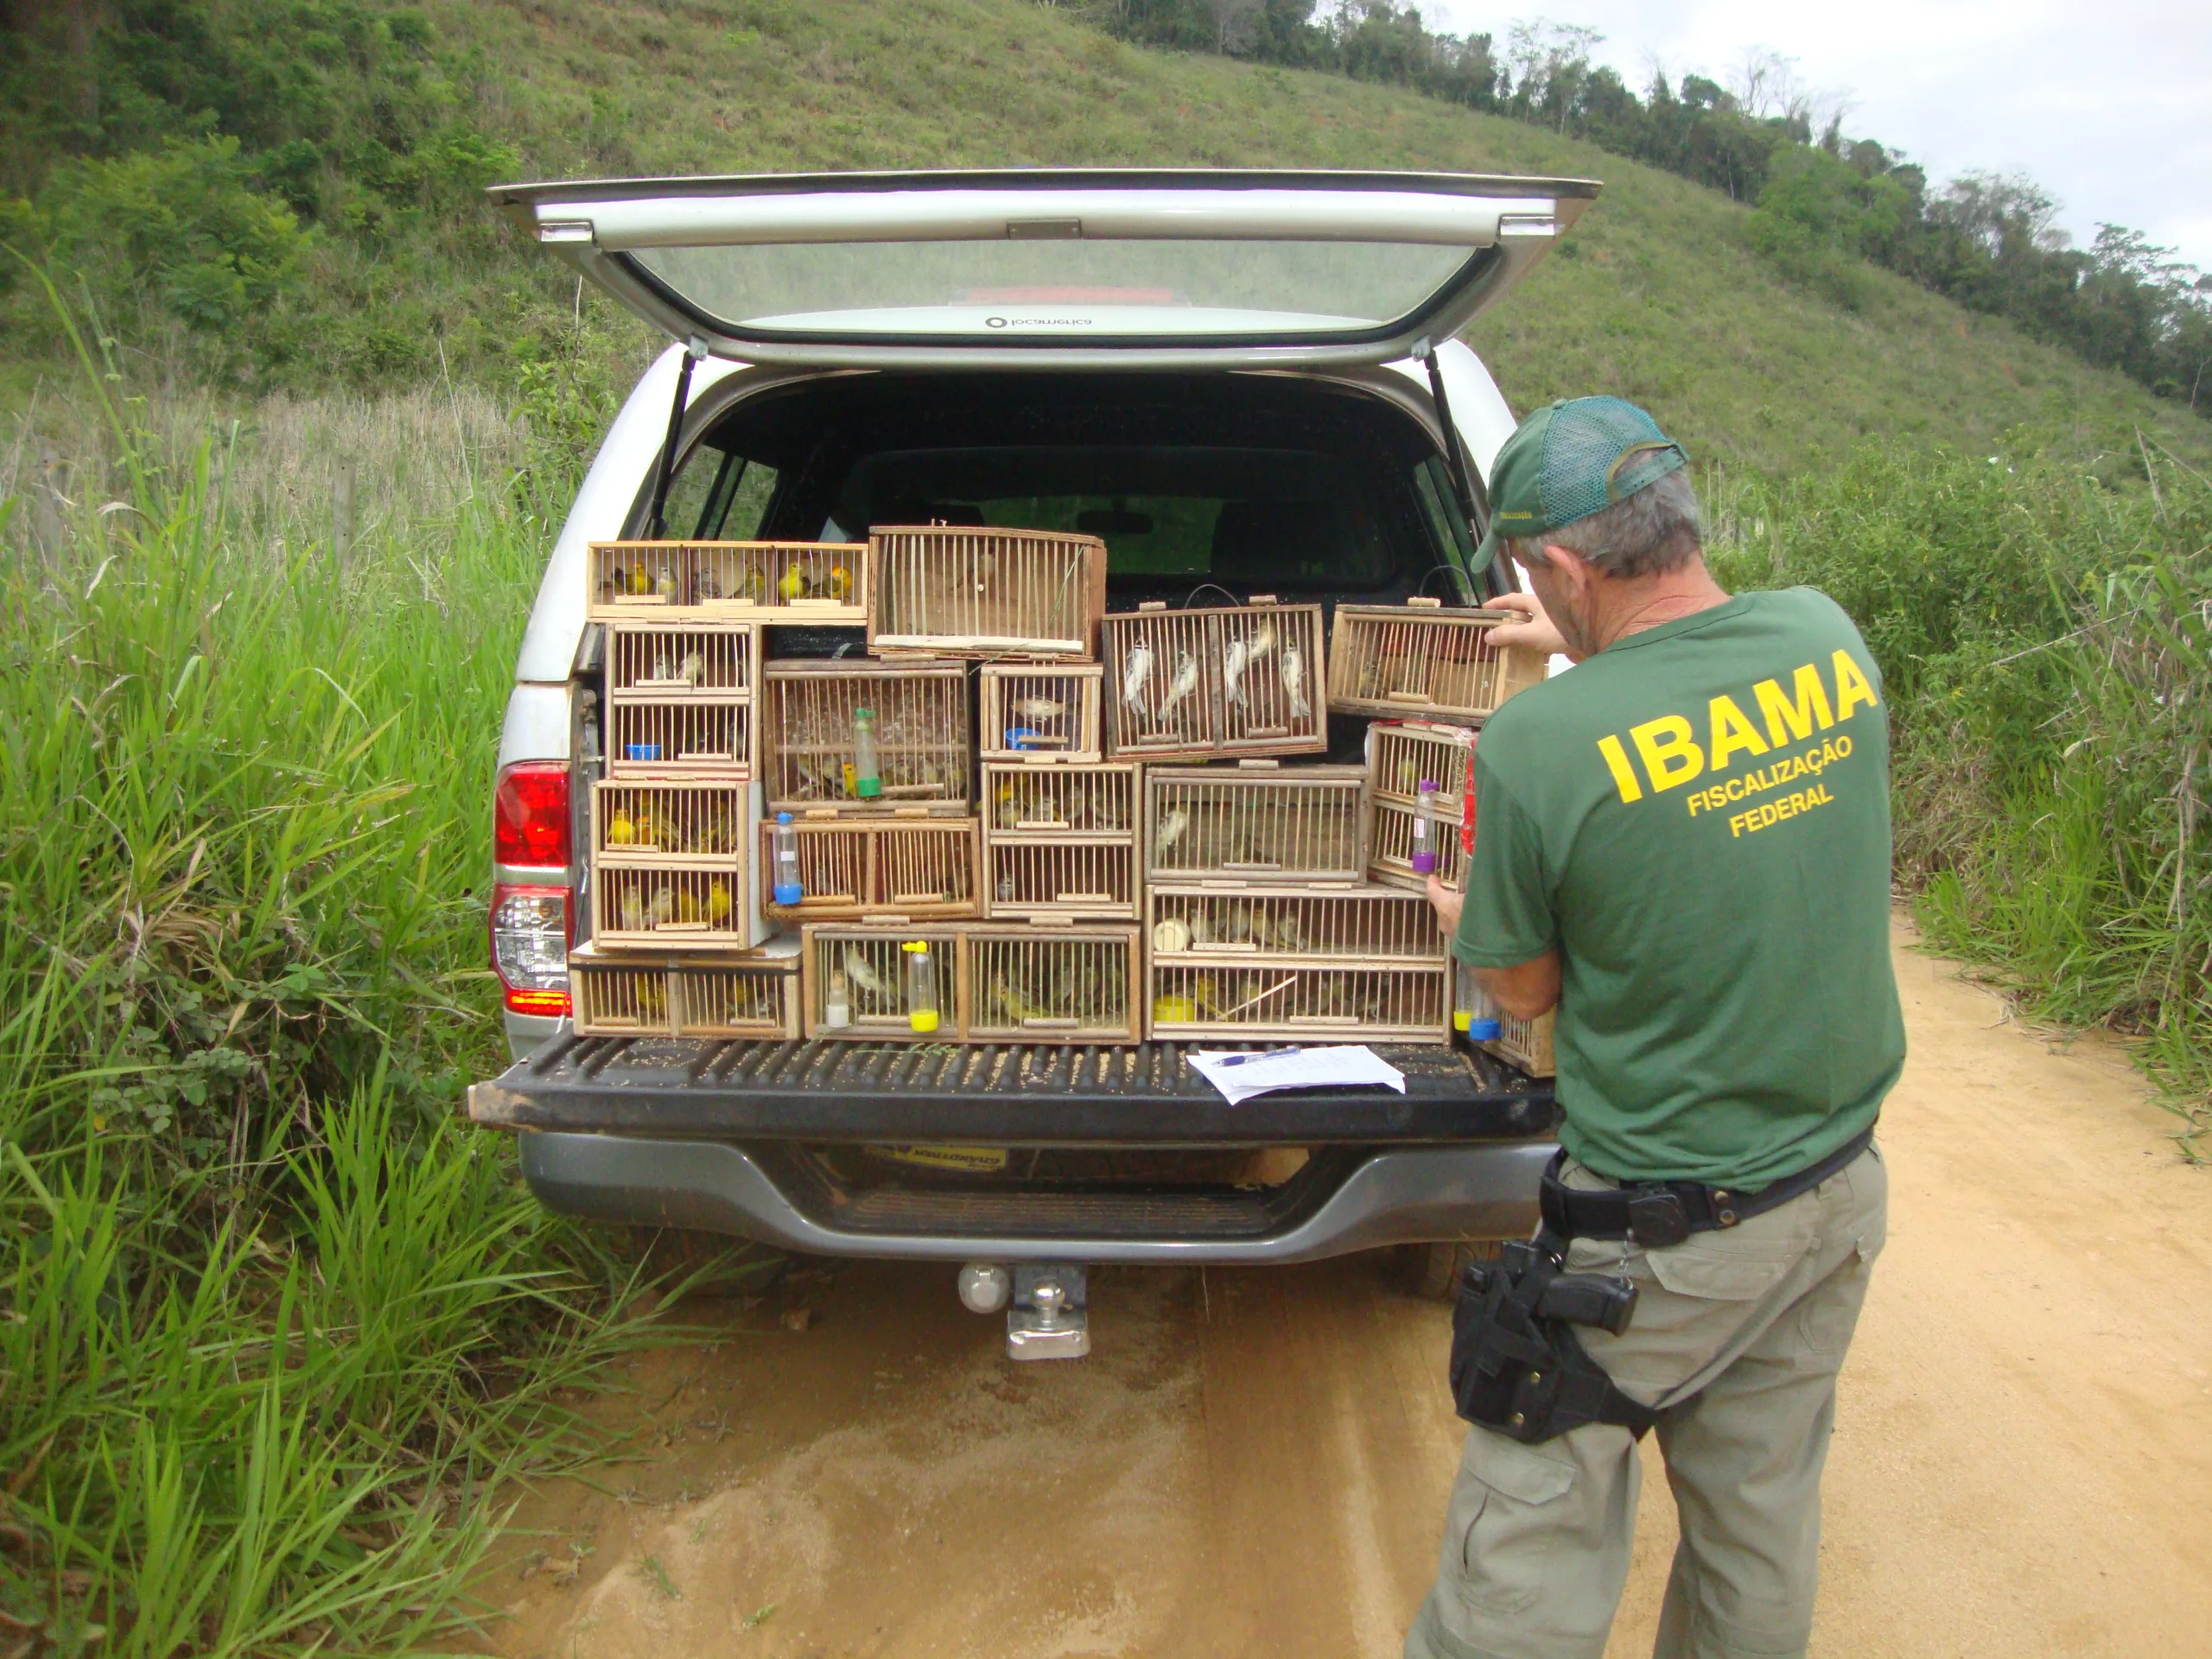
[1653, 532]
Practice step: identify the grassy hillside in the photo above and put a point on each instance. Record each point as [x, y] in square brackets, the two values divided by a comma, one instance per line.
[1658, 295]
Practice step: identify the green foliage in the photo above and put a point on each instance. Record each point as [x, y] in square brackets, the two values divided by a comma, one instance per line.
[274, 1326]
[180, 233]
[2048, 665]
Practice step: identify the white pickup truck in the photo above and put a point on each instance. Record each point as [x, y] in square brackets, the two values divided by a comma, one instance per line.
[1246, 381]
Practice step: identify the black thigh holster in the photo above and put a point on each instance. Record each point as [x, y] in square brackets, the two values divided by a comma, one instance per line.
[1518, 1366]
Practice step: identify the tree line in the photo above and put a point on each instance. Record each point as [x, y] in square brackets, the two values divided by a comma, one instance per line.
[1822, 201]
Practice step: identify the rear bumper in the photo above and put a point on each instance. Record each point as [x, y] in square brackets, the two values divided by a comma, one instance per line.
[1393, 1196]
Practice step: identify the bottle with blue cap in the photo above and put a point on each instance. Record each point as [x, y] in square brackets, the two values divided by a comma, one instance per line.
[785, 887]
[1474, 1016]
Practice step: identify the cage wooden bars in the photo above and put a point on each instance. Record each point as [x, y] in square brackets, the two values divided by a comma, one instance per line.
[626, 997]
[1236, 680]
[1080, 984]
[909, 867]
[671, 907]
[1353, 927]
[947, 590]
[1400, 753]
[821, 582]
[1060, 840]
[696, 737]
[1390, 660]
[1038, 713]
[1390, 847]
[921, 734]
[1255, 825]
[1399, 1002]
[868, 966]
[682, 661]
[653, 825]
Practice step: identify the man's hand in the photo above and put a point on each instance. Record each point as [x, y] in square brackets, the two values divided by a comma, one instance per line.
[1448, 905]
[1537, 633]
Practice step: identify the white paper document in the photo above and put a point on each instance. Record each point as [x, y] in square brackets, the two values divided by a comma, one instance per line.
[1240, 1077]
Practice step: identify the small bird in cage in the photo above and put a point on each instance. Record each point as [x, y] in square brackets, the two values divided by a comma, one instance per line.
[1294, 682]
[1136, 668]
[620, 832]
[1039, 709]
[1170, 831]
[705, 585]
[634, 911]
[664, 584]
[793, 584]
[663, 906]
[1263, 640]
[860, 975]
[1232, 672]
[1184, 683]
[692, 669]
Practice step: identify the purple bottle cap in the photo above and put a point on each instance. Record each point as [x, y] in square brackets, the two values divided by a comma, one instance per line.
[1428, 785]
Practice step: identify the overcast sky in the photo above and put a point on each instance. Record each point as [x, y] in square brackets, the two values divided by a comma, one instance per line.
[2108, 105]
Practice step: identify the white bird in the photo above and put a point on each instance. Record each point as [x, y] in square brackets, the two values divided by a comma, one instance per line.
[1232, 672]
[1294, 682]
[1170, 831]
[633, 913]
[692, 670]
[1136, 668]
[1184, 683]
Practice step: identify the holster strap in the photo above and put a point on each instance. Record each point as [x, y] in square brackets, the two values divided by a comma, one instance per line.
[1656, 1214]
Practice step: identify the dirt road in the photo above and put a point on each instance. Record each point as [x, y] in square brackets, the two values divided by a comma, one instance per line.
[1256, 1462]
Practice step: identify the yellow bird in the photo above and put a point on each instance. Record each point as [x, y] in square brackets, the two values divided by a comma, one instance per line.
[621, 832]
[840, 583]
[687, 907]
[718, 902]
[641, 580]
[793, 586]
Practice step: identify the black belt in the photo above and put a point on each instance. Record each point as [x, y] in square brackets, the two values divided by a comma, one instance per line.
[1656, 1214]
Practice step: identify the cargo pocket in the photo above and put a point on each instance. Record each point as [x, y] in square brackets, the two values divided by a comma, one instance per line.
[1729, 1267]
[1505, 1512]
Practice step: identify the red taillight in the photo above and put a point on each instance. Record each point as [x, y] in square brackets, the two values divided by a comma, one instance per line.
[530, 935]
[529, 815]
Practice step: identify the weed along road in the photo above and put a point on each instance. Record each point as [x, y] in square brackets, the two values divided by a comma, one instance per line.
[1255, 1462]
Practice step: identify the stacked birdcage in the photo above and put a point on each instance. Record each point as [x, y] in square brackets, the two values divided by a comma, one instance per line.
[1013, 818]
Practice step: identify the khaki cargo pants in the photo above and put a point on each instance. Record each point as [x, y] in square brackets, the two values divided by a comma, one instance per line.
[1738, 1337]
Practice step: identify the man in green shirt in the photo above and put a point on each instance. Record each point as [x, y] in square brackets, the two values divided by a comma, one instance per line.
[1683, 852]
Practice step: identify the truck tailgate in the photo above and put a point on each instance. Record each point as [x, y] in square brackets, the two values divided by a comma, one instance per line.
[1026, 1094]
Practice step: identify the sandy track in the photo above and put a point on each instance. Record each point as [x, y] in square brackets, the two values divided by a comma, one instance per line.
[1256, 1462]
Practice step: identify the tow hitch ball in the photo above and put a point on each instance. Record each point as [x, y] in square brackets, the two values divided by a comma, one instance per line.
[1047, 1314]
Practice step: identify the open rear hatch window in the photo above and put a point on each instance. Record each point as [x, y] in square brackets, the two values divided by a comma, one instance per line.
[1055, 267]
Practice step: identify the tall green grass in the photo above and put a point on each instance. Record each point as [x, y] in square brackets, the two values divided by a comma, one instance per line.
[2044, 628]
[274, 1328]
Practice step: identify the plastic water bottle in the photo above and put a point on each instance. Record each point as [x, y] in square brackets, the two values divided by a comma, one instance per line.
[1473, 1015]
[837, 1004]
[1425, 830]
[867, 771]
[921, 986]
[785, 888]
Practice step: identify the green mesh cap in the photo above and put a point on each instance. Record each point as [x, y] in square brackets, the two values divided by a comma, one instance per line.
[1569, 460]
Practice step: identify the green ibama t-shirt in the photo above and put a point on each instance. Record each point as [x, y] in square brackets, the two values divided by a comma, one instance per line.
[1698, 818]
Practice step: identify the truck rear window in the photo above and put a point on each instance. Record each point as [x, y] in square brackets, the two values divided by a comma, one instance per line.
[1284, 519]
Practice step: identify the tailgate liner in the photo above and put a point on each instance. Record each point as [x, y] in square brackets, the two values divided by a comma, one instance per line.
[999, 1094]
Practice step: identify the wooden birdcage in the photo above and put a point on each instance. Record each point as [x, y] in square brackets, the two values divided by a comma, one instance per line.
[921, 734]
[1419, 657]
[1278, 1001]
[1401, 753]
[1351, 928]
[1392, 841]
[617, 996]
[1254, 824]
[908, 867]
[1060, 840]
[1523, 1043]
[1193, 685]
[672, 906]
[950, 590]
[1073, 984]
[1039, 713]
[823, 582]
[679, 699]
[867, 966]
[656, 824]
